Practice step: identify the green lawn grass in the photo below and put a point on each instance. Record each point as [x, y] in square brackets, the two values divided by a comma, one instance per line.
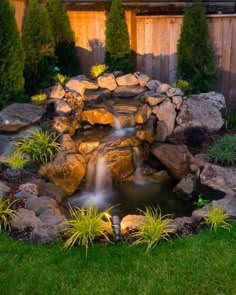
[202, 264]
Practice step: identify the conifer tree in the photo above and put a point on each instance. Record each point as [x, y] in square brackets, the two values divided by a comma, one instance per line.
[11, 55]
[64, 39]
[196, 61]
[117, 46]
[39, 45]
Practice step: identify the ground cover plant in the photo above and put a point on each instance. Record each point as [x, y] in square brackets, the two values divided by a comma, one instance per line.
[6, 213]
[223, 150]
[202, 264]
[217, 218]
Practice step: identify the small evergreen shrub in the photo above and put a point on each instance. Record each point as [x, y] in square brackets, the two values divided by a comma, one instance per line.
[41, 146]
[117, 46]
[39, 45]
[85, 225]
[185, 86]
[62, 79]
[195, 136]
[223, 151]
[65, 49]
[12, 55]
[196, 60]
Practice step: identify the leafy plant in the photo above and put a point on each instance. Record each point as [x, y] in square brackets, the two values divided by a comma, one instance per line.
[117, 45]
[223, 150]
[155, 228]
[39, 99]
[12, 55]
[196, 60]
[6, 213]
[230, 120]
[217, 218]
[86, 225]
[184, 85]
[16, 160]
[201, 201]
[62, 79]
[98, 70]
[41, 146]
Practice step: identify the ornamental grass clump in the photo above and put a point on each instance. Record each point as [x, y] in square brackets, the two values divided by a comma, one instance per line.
[223, 151]
[39, 99]
[41, 146]
[217, 218]
[6, 213]
[16, 163]
[85, 225]
[155, 228]
[98, 70]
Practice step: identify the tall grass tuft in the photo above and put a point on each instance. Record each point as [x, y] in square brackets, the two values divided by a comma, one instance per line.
[86, 225]
[223, 151]
[41, 146]
[6, 213]
[154, 229]
[217, 218]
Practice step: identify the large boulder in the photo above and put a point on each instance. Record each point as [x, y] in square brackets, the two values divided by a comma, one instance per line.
[166, 112]
[143, 114]
[127, 80]
[176, 159]
[219, 178]
[19, 115]
[79, 84]
[108, 81]
[128, 91]
[202, 112]
[66, 171]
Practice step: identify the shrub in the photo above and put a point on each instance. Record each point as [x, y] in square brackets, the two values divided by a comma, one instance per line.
[98, 70]
[195, 136]
[39, 45]
[201, 202]
[217, 218]
[16, 160]
[196, 61]
[223, 151]
[155, 228]
[185, 86]
[11, 55]
[230, 120]
[41, 146]
[65, 49]
[6, 213]
[39, 99]
[86, 225]
[117, 46]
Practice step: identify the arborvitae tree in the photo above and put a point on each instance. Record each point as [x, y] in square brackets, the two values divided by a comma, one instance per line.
[196, 60]
[39, 45]
[117, 46]
[11, 55]
[64, 38]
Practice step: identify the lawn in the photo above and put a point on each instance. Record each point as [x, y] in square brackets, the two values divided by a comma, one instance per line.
[202, 264]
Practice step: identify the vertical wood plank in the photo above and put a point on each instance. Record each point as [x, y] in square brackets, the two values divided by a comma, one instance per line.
[140, 44]
[165, 48]
[156, 36]
[232, 84]
[148, 42]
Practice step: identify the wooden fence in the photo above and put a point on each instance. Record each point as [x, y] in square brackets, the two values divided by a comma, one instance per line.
[153, 41]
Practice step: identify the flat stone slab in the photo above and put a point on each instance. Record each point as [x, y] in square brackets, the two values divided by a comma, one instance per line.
[19, 115]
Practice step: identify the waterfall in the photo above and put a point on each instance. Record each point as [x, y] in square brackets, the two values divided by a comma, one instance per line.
[103, 181]
[138, 176]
